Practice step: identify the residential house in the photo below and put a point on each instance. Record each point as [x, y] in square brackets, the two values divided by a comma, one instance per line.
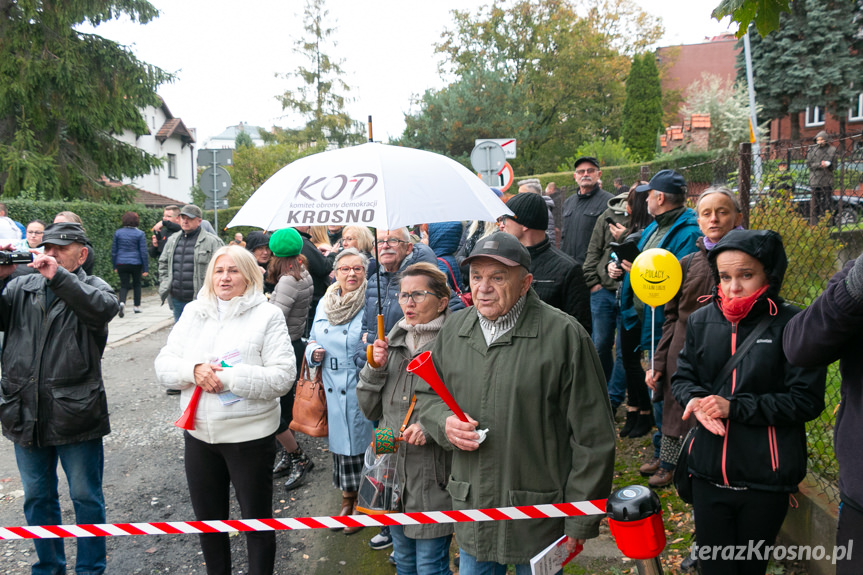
[227, 139]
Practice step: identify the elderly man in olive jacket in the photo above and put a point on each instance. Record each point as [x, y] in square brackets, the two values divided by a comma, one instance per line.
[529, 374]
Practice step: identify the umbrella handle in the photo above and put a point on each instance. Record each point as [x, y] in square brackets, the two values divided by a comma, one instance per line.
[370, 348]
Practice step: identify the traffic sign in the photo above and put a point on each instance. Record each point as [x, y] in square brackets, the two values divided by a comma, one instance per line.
[508, 145]
[221, 156]
[215, 183]
[488, 158]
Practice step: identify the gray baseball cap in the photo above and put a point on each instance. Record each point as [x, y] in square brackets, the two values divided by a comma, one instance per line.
[191, 211]
[502, 247]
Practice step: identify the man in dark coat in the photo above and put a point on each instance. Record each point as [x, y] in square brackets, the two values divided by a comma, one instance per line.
[581, 210]
[821, 160]
[168, 226]
[52, 398]
[557, 279]
[826, 331]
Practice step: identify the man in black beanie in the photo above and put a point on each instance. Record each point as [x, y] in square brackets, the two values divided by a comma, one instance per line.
[557, 279]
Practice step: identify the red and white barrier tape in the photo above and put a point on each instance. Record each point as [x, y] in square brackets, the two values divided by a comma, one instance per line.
[556, 510]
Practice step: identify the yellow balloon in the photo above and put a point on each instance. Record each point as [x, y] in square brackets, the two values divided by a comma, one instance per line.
[655, 276]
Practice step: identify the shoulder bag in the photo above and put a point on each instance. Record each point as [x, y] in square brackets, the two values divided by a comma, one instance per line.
[310, 404]
[682, 476]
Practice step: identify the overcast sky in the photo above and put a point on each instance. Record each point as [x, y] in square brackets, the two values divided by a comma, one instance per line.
[226, 54]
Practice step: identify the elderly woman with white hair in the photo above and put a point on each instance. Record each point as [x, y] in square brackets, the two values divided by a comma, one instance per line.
[235, 347]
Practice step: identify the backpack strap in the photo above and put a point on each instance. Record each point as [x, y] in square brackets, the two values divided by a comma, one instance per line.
[747, 344]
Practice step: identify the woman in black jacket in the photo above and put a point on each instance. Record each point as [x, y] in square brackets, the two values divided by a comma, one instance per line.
[749, 449]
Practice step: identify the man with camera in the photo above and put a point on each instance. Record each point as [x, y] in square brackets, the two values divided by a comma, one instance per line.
[52, 399]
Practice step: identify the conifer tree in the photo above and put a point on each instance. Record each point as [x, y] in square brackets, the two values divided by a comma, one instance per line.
[642, 108]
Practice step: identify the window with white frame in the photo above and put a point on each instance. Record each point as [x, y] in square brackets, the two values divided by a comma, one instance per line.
[172, 166]
[855, 113]
[814, 116]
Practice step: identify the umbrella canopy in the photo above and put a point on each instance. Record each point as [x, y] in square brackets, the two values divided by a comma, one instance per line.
[374, 185]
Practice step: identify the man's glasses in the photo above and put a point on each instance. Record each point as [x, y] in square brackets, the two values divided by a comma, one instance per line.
[348, 269]
[502, 220]
[418, 296]
[587, 171]
[392, 242]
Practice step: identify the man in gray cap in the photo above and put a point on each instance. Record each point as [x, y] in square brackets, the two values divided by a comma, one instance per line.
[52, 399]
[557, 279]
[581, 210]
[183, 263]
[529, 375]
[821, 160]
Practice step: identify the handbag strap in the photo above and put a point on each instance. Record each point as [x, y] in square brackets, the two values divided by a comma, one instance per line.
[747, 344]
[452, 275]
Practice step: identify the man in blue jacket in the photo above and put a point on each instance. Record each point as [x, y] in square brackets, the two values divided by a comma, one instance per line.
[674, 228]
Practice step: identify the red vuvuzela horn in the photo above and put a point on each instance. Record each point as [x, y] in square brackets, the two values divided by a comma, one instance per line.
[187, 420]
[422, 366]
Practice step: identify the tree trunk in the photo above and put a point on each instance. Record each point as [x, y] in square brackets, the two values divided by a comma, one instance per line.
[795, 126]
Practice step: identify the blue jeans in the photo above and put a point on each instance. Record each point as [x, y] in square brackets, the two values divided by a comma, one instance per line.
[83, 464]
[178, 308]
[617, 383]
[468, 565]
[603, 313]
[420, 556]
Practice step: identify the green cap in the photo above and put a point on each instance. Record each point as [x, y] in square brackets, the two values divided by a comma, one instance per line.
[286, 243]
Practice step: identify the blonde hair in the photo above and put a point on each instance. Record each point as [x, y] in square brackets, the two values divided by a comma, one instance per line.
[246, 264]
[365, 239]
[319, 236]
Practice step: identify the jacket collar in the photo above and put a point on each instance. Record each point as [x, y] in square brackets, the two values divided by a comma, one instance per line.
[526, 326]
[539, 248]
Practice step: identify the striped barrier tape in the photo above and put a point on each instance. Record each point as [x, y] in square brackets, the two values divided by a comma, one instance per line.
[555, 510]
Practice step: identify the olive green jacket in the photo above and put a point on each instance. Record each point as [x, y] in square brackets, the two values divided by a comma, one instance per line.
[540, 391]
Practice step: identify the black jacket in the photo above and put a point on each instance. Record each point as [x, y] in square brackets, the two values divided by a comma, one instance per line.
[830, 329]
[168, 229]
[764, 446]
[579, 217]
[51, 392]
[559, 281]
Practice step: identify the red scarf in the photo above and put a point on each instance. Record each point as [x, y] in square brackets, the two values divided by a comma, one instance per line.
[735, 309]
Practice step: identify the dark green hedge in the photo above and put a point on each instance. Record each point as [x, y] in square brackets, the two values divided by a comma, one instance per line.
[100, 222]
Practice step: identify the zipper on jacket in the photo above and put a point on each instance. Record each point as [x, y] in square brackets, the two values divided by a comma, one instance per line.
[727, 421]
[774, 447]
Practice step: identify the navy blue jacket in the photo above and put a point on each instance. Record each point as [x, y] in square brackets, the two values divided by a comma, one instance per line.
[130, 247]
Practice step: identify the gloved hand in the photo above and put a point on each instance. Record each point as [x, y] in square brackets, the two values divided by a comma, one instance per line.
[854, 280]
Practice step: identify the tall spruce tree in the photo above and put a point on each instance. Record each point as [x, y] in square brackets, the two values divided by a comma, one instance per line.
[63, 93]
[642, 108]
[320, 97]
[815, 58]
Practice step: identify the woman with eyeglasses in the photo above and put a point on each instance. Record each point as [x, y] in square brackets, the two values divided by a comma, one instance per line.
[335, 334]
[387, 394]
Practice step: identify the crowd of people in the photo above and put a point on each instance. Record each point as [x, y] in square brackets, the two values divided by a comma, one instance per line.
[550, 345]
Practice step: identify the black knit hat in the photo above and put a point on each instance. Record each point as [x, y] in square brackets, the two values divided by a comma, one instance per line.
[257, 239]
[530, 210]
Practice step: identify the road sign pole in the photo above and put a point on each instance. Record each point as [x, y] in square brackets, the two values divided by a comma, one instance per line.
[215, 195]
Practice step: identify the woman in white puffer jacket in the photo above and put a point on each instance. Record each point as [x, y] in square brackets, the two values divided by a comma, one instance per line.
[235, 346]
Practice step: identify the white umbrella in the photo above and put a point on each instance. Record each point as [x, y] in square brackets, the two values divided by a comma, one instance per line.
[374, 185]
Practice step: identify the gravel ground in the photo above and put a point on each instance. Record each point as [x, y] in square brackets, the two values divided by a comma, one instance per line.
[145, 482]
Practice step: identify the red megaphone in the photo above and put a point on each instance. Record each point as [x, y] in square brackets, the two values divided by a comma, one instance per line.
[187, 420]
[422, 366]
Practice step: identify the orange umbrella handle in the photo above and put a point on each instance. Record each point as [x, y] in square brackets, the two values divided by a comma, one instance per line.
[369, 349]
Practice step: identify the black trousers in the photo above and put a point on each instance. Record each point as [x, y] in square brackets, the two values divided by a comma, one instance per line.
[636, 390]
[130, 278]
[211, 468]
[850, 528]
[287, 400]
[732, 520]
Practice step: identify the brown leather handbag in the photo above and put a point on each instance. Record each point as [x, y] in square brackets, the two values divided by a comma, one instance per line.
[310, 404]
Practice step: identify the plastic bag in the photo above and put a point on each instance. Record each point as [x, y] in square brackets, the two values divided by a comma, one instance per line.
[379, 490]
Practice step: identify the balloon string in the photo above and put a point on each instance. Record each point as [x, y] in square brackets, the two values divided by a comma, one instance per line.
[652, 339]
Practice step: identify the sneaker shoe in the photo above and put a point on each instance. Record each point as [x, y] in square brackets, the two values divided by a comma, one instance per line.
[650, 467]
[284, 463]
[662, 478]
[122, 309]
[382, 540]
[392, 558]
[300, 466]
[688, 565]
[137, 309]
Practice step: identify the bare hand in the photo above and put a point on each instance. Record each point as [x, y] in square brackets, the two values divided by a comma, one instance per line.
[45, 265]
[380, 351]
[616, 230]
[596, 288]
[414, 435]
[206, 378]
[145, 274]
[318, 355]
[6, 271]
[572, 545]
[652, 379]
[155, 241]
[626, 265]
[614, 272]
[158, 226]
[711, 424]
[460, 434]
[716, 406]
